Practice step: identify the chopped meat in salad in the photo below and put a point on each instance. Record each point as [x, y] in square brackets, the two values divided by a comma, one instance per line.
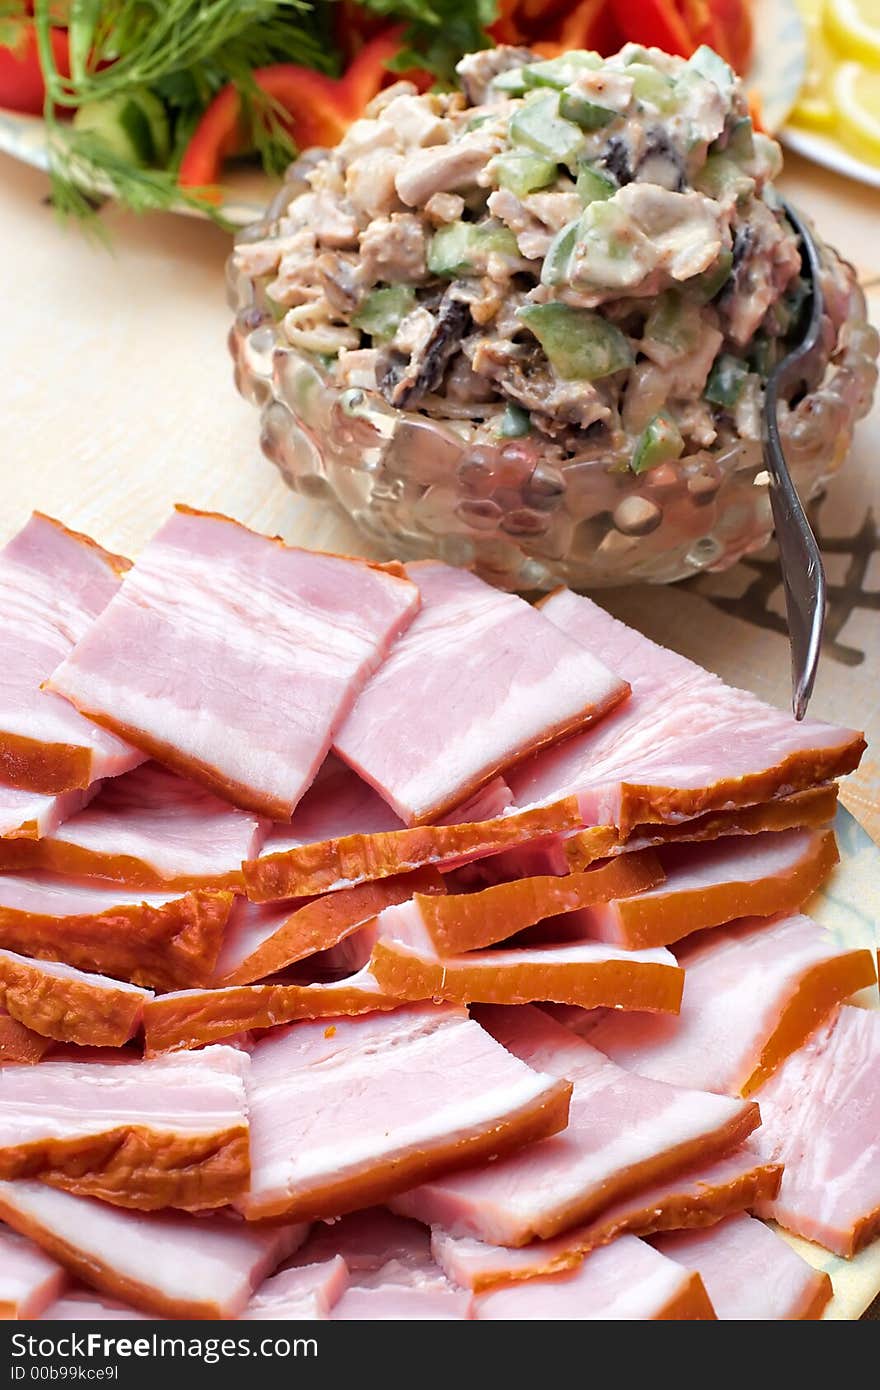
[565, 246]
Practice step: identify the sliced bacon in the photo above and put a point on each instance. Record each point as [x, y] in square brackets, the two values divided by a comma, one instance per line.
[169, 1132]
[194, 1017]
[479, 680]
[149, 829]
[626, 1281]
[754, 992]
[399, 1293]
[29, 1280]
[589, 974]
[256, 654]
[822, 1120]
[367, 1240]
[84, 1305]
[69, 1005]
[811, 808]
[394, 1083]
[682, 745]
[750, 1273]
[705, 885]
[624, 1132]
[26, 816]
[168, 1263]
[261, 940]
[161, 941]
[53, 584]
[696, 1198]
[19, 1043]
[466, 921]
[307, 1293]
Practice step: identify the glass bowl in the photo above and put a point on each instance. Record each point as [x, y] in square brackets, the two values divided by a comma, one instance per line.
[521, 514]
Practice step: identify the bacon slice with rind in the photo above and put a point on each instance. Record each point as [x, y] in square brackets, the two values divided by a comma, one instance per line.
[822, 1120]
[261, 940]
[70, 1005]
[682, 745]
[148, 829]
[401, 1293]
[306, 1293]
[168, 1263]
[706, 885]
[26, 816]
[459, 922]
[53, 585]
[18, 1043]
[695, 1198]
[161, 941]
[750, 1273]
[396, 1082]
[29, 1280]
[619, 1283]
[169, 1132]
[589, 974]
[256, 653]
[754, 993]
[479, 680]
[194, 1017]
[85, 1305]
[811, 808]
[623, 1133]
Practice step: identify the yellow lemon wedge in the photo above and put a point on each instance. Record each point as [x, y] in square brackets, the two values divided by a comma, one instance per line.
[814, 107]
[857, 101]
[854, 27]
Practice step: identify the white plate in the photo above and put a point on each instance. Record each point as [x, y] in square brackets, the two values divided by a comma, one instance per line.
[829, 153]
[776, 74]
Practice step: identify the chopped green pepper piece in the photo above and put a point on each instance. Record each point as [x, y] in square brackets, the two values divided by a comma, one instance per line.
[710, 65]
[558, 257]
[511, 83]
[651, 85]
[703, 287]
[559, 72]
[726, 380]
[382, 310]
[594, 186]
[674, 322]
[539, 125]
[515, 422]
[659, 442]
[580, 345]
[720, 176]
[522, 172]
[460, 247]
[584, 113]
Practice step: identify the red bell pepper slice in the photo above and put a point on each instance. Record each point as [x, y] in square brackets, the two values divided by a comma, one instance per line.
[316, 112]
[655, 23]
[21, 78]
[365, 75]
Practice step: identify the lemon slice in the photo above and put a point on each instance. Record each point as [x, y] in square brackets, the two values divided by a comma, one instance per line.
[854, 26]
[857, 101]
[814, 107]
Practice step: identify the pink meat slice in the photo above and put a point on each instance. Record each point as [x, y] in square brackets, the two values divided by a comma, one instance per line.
[750, 1273]
[168, 1132]
[367, 1240]
[29, 1279]
[308, 1292]
[753, 993]
[398, 1293]
[349, 1111]
[623, 1133]
[256, 654]
[821, 1114]
[684, 743]
[626, 1281]
[85, 1305]
[707, 885]
[697, 1197]
[479, 680]
[149, 829]
[26, 816]
[167, 1263]
[58, 1001]
[53, 584]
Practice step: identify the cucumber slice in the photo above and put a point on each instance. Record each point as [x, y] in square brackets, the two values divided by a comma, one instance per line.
[586, 114]
[594, 186]
[132, 125]
[539, 125]
[580, 345]
[558, 258]
[515, 422]
[382, 311]
[522, 172]
[660, 442]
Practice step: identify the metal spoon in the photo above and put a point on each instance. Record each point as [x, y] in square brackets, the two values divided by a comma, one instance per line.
[803, 574]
